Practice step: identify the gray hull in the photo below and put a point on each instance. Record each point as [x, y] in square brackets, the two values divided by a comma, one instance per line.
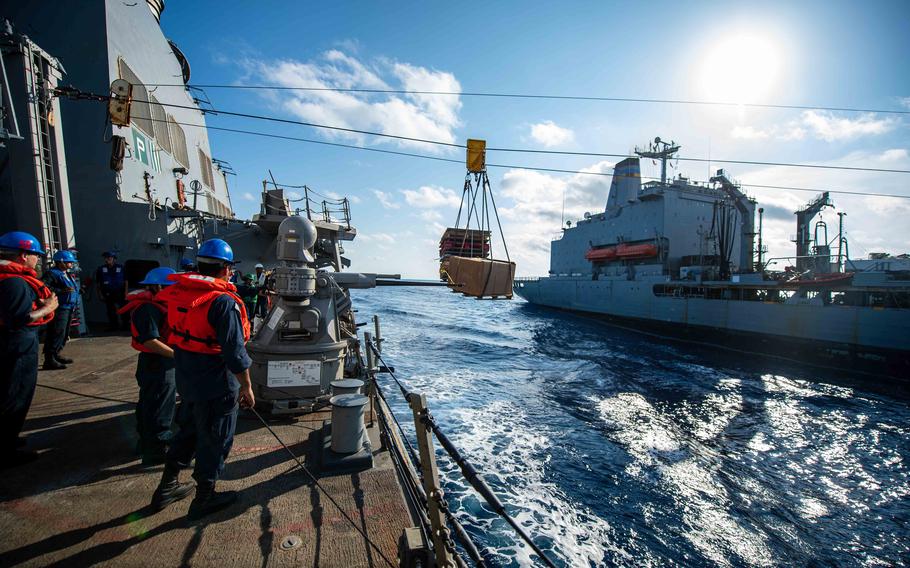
[855, 329]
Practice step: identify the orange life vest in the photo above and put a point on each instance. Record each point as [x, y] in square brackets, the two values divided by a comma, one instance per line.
[140, 298]
[188, 303]
[10, 269]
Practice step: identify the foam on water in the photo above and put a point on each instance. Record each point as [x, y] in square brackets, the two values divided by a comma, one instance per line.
[617, 449]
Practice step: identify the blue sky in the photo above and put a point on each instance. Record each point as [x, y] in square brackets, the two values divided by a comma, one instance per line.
[803, 53]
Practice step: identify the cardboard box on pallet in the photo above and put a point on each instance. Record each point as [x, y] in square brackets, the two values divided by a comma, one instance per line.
[480, 277]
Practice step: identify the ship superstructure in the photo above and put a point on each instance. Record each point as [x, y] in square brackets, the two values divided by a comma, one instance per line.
[151, 189]
[681, 256]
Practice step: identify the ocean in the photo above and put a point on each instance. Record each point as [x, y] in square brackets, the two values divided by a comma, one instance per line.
[613, 448]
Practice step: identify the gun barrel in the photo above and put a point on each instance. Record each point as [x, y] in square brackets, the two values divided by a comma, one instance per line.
[410, 283]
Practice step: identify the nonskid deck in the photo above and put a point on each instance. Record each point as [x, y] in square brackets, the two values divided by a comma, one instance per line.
[84, 501]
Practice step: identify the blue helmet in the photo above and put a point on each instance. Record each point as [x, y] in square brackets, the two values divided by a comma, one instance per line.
[216, 249]
[20, 240]
[109, 253]
[158, 276]
[64, 256]
[186, 263]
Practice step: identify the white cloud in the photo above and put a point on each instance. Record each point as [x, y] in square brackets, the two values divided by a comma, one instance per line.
[249, 196]
[829, 127]
[354, 199]
[378, 237]
[385, 199]
[904, 101]
[427, 117]
[822, 125]
[550, 134]
[293, 195]
[749, 133]
[431, 215]
[431, 196]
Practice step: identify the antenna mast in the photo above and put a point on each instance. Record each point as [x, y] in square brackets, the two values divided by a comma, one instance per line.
[659, 150]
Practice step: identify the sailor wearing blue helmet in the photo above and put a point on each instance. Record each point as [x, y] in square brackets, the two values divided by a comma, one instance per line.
[155, 367]
[26, 304]
[209, 330]
[61, 281]
[187, 265]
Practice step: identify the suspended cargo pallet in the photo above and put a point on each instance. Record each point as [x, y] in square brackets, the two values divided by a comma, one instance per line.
[465, 253]
[465, 239]
[479, 277]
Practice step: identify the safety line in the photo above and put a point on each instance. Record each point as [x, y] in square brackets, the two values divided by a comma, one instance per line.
[324, 492]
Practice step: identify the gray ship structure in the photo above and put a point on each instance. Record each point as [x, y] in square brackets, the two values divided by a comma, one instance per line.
[687, 259]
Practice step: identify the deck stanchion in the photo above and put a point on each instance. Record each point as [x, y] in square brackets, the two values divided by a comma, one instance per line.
[430, 472]
[378, 335]
[370, 372]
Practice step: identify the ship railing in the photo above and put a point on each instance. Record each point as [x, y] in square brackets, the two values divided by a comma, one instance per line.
[420, 471]
[329, 209]
[846, 260]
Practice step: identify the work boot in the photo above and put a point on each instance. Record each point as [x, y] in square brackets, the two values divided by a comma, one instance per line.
[170, 490]
[51, 364]
[61, 359]
[208, 501]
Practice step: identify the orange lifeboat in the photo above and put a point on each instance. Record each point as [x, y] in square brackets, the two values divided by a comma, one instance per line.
[636, 251]
[601, 254]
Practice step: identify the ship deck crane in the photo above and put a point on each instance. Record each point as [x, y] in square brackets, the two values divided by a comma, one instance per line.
[742, 203]
[804, 217]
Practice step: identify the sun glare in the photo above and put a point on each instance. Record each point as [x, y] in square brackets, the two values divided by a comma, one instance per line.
[740, 69]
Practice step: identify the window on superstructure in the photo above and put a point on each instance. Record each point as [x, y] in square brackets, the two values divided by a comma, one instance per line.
[159, 123]
[140, 112]
[206, 164]
[178, 142]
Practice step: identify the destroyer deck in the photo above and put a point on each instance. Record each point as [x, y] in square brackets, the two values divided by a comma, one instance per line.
[85, 500]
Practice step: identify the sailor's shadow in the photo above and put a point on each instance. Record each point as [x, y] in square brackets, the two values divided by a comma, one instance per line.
[260, 494]
[67, 539]
[62, 446]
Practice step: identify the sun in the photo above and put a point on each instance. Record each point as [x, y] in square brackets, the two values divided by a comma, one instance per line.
[741, 68]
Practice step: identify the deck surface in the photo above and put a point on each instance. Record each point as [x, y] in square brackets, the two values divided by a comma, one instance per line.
[84, 501]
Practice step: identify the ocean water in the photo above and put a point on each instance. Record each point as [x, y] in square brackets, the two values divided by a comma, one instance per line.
[618, 449]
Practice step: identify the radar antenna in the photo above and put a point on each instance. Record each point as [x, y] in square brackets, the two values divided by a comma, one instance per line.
[659, 150]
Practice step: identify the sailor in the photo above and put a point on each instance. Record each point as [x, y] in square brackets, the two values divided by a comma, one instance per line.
[25, 304]
[79, 311]
[155, 369]
[247, 292]
[209, 328]
[111, 287]
[261, 281]
[186, 265]
[62, 282]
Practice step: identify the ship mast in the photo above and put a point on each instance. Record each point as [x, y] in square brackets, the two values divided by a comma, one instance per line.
[659, 150]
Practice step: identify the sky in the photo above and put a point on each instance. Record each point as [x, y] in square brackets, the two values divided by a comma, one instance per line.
[830, 53]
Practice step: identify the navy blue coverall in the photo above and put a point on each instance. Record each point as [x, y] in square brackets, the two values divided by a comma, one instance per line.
[208, 389]
[156, 377]
[18, 359]
[110, 279]
[67, 290]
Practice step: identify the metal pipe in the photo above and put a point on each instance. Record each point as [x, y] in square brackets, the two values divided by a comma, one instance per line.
[840, 241]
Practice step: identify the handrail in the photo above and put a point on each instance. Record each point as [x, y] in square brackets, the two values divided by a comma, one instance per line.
[467, 469]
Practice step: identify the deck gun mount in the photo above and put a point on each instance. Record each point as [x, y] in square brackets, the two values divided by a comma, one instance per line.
[304, 341]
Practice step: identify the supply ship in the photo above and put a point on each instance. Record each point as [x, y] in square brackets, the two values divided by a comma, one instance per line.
[681, 258]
